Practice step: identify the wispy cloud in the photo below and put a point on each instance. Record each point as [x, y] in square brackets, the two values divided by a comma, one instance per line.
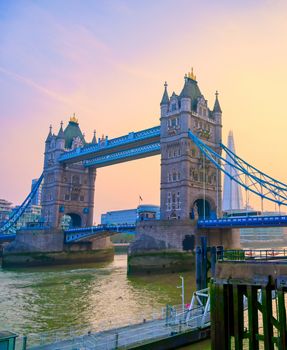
[34, 85]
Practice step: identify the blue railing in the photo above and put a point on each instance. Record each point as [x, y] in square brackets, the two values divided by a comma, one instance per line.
[250, 221]
[107, 144]
[75, 234]
[7, 237]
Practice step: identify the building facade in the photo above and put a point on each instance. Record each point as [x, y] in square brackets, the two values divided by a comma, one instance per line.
[130, 216]
[190, 184]
[5, 210]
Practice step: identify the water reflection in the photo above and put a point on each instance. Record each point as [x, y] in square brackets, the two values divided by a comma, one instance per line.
[99, 296]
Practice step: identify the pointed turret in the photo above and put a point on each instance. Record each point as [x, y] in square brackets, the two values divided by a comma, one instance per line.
[164, 101]
[165, 98]
[94, 140]
[216, 108]
[49, 137]
[60, 139]
[61, 132]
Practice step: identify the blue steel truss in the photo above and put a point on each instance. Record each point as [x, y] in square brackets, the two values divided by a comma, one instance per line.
[130, 140]
[247, 176]
[76, 234]
[8, 226]
[124, 156]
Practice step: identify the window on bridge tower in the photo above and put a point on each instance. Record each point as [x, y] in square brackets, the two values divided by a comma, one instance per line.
[178, 200]
[173, 201]
[75, 180]
[74, 197]
[174, 176]
[169, 201]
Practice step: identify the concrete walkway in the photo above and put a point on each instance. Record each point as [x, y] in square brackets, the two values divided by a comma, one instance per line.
[123, 337]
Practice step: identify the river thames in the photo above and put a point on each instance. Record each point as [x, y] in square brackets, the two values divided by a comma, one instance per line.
[89, 297]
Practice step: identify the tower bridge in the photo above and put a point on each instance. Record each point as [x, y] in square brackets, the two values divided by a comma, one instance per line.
[189, 140]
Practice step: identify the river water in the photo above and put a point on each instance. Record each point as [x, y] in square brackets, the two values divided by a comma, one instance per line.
[94, 297]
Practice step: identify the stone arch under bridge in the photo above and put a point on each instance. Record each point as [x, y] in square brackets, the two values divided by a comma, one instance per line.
[203, 208]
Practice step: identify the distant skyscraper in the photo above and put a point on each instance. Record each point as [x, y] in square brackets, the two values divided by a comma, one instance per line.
[232, 196]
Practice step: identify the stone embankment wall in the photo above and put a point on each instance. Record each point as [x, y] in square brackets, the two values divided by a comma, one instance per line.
[159, 245]
[43, 247]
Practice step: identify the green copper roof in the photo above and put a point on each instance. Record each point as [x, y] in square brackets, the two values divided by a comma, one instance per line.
[191, 90]
[72, 130]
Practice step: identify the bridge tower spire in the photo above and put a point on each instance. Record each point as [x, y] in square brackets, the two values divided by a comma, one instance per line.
[164, 101]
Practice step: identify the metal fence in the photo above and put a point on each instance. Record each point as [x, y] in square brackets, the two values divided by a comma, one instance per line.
[253, 255]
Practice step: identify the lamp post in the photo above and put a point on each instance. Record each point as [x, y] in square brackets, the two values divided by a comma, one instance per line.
[182, 292]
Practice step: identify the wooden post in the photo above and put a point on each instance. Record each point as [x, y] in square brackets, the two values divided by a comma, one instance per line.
[204, 262]
[252, 317]
[213, 260]
[198, 263]
[267, 317]
[238, 316]
[219, 317]
[282, 320]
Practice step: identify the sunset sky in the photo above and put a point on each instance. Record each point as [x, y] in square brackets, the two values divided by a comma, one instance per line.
[107, 62]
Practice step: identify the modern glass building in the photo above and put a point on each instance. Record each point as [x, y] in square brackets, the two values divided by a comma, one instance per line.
[130, 216]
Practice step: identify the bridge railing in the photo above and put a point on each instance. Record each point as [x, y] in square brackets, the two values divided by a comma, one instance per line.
[253, 254]
[75, 234]
[272, 220]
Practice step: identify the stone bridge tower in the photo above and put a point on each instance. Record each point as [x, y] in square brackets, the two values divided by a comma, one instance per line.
[190, 184]
[68, 189]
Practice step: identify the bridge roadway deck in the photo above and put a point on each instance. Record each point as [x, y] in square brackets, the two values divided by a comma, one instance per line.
[132, 336]
[244, 222]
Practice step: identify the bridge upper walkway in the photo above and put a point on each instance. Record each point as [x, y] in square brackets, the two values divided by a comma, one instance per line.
[132, 141]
